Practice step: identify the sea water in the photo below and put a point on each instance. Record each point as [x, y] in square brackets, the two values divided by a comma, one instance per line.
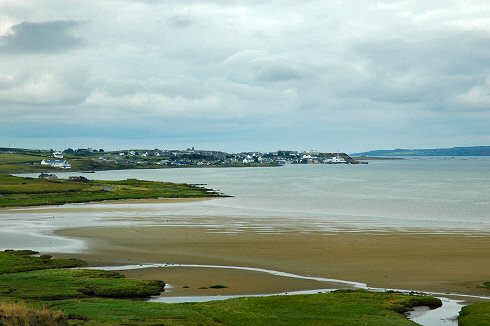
[422, 195]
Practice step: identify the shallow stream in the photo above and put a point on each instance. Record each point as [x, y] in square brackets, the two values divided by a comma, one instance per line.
[446, 315]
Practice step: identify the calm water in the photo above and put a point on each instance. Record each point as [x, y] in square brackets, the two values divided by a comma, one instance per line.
[437, 195]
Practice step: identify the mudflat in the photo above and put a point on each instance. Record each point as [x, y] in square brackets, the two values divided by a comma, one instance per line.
[426, 262]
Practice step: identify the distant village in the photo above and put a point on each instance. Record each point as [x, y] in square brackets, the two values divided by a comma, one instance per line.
[194, 157]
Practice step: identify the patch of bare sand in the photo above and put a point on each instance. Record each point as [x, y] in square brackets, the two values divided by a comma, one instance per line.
[440, 263]
[192, 281]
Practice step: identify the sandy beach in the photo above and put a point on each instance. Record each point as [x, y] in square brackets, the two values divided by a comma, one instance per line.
[440, 263]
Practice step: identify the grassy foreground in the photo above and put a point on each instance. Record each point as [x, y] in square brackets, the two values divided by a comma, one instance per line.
[340, 308]
[35, 291]
[18, 191]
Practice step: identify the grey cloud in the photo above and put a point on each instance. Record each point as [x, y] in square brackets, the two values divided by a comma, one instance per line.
[245, 65]
[453, 53]
[179, 21]
[431, 69]
[278, 71]
[44, 37]
[260, 66]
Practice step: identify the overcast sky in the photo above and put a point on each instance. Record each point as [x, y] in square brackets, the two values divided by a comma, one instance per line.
[245, 75]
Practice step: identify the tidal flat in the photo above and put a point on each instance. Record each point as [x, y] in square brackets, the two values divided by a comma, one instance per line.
[399, 225]
[435, 263]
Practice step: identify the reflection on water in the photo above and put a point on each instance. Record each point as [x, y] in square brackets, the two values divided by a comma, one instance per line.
[422, 196]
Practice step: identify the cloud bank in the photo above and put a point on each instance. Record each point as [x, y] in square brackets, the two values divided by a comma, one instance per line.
[245, 75]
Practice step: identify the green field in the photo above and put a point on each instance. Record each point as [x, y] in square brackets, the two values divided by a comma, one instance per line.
[18, 191]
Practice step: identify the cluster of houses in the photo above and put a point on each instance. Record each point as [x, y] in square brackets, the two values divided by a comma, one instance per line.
[193, 157]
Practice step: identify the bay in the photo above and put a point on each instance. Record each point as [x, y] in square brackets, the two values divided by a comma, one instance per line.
[421, 195]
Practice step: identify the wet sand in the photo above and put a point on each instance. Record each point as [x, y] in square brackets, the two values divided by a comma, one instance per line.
[55, 208]
[439, 263]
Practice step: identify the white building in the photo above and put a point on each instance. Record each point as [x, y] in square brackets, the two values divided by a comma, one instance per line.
[57, 163]
[337, 159]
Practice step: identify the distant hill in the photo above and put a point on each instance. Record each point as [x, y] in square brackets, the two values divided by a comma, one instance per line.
[455, 151]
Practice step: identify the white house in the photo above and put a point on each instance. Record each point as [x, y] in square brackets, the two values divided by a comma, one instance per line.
[336, 159]
[57, 163]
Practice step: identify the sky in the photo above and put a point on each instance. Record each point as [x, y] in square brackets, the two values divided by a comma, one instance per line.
[244, 75]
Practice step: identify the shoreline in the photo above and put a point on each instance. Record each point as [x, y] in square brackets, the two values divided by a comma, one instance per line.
[117, 201]
[431, 263]
[334, 284]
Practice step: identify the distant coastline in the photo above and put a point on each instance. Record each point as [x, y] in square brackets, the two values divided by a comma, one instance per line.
[20, 160]
[454, 151]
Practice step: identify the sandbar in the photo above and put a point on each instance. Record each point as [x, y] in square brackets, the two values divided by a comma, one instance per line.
[445, 263]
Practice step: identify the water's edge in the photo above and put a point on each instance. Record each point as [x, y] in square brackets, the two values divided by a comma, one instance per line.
[445, 315]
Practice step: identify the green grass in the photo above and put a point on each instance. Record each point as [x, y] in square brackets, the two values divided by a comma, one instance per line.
[477, 314]
[342, 308]
[18, 191]
[87, 297]
[56, 284]
[42, 278]
[21, 261]
[6, 158]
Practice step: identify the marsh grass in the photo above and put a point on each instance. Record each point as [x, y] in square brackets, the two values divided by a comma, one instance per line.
[57, 284]
[477, 314]
[91, 297]
[341, 308]
[13, 261]
[42, 278]
[19, 314]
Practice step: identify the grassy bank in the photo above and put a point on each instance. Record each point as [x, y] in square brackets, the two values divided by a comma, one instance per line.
[80, 297]
[18, 191]
[36, 291]
[15, 261]
[341, 308]
[42, 278]
[477, 314]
